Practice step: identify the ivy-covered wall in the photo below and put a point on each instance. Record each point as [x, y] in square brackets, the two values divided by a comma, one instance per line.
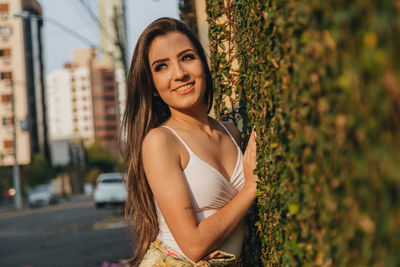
[320, 81]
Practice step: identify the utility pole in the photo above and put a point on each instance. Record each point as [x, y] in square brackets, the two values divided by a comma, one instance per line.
[16, 175]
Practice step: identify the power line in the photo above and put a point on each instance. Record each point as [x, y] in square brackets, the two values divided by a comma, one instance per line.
[90, 21]
[68, 30]
[99, 23]
[25, 15]
[92, 15]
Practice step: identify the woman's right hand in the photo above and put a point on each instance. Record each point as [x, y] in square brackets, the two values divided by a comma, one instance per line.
[250, 161]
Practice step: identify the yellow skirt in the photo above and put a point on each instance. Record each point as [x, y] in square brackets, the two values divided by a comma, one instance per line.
[161, 255]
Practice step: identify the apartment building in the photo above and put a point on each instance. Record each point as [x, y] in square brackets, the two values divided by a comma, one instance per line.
[21, 82]
[69, 103]
[82, 101]
[105, 115]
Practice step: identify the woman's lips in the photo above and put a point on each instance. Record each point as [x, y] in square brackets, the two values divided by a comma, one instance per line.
[183, 90]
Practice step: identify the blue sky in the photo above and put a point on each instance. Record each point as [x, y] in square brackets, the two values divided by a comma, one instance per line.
[58, 45]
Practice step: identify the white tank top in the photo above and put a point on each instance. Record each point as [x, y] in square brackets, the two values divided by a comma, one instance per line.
[210, 191]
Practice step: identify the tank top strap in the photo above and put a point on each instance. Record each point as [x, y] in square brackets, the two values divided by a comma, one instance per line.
[179, 137]
[223, 126]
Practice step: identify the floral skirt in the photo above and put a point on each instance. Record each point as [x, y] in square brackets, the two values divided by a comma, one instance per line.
[161, 255]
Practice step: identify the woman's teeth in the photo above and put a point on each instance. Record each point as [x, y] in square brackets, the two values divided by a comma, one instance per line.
[183, 88]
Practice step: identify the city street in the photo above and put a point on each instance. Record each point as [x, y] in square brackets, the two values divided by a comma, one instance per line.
[73, 234]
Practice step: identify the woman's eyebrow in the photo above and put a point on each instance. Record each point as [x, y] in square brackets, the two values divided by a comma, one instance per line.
[184, 51]
[165, 59]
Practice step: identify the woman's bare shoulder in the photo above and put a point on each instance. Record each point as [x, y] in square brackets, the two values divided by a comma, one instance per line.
[234, 131]
[158, 139]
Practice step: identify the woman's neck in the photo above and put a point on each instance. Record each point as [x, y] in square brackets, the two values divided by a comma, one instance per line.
[191, 120]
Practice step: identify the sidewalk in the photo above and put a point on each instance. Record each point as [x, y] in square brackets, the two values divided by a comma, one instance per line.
[6, 207]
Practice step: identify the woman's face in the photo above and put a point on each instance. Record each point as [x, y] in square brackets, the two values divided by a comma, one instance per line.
[177, 70]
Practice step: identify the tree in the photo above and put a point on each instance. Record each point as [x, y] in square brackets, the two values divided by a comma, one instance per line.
[39, 171]
[100, 157]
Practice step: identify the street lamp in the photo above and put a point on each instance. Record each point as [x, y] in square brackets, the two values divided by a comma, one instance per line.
[38, 95]
[23, 14]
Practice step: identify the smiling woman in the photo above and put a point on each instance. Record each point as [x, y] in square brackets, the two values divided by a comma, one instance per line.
[189, 185]
[177, 71]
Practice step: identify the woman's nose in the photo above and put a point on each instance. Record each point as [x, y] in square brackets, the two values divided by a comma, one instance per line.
[179, 72]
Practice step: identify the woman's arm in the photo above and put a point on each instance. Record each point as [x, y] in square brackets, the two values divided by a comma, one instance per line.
[161, 161]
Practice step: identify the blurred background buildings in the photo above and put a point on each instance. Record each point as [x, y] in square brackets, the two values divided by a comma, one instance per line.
[82, 100]
[65, 113]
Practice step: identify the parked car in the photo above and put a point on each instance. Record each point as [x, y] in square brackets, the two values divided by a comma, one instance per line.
[110, 189]
[41, 195]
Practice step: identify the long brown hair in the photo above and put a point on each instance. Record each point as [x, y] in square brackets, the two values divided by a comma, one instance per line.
[144, 111]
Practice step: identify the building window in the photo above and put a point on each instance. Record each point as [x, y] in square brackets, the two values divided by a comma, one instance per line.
[111, 110]
[5, 31]
[8, 144]
[3, 11]
[6, 75]
[6, 98]
[109, 98]
[109, 137]
[110, 117]
[6, 52]
[7, 121]
[3, 8]
[108, 78]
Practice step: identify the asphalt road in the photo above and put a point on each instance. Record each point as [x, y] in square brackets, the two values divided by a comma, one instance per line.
[70, 234]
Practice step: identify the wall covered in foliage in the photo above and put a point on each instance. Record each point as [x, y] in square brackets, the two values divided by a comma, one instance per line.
[320, 81]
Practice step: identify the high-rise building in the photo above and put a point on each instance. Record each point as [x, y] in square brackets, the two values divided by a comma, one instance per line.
[69, 103]
[113, 42]
[104, 99]
[21, 76]
[82, 101]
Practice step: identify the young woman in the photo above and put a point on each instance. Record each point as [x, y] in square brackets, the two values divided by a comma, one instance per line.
[189, 185]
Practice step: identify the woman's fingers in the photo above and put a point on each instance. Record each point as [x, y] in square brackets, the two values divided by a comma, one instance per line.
[250, 158]
[252, 147]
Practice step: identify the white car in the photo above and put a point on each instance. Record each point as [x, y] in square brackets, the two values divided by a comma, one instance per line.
[110, 189]
[41, 195]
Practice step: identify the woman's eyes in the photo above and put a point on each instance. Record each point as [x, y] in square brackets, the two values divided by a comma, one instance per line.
[159, 67]
[186, 57]
[189, 56]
